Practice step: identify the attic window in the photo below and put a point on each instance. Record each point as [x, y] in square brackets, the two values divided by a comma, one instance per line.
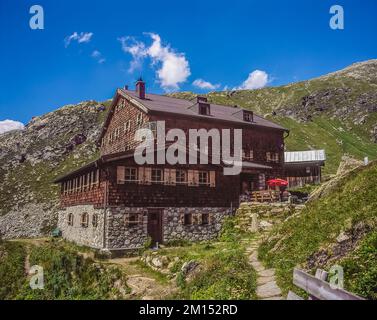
[247, 116]
[127, 126]
[139, 119]
[204, 109]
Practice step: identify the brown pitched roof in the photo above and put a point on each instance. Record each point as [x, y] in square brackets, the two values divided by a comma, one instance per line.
[160, 103]
[183, 107]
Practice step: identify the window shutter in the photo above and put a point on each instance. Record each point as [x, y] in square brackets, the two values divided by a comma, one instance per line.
[141, 175]
[148, 175]
[212, 179]
[140, 218]
[195, 218]
[166, 176]
[210, 218]
[190, 177]
[173, 177]
[182, 218]
[196, 177]
[120, 174]
[199, 218]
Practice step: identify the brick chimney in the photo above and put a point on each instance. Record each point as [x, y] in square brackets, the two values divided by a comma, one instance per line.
[126, 87]
[140, 88]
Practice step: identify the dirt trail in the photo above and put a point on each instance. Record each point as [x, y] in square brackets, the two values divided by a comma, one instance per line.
[142, 285]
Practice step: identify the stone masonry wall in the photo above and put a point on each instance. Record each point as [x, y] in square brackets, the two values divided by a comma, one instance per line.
[174, 227]
[91, 236]
[119, 234]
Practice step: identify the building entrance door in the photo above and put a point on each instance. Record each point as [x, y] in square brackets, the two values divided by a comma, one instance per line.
[154, 226]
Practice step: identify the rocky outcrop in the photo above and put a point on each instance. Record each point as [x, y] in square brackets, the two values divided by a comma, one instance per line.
[30, 159]
[346, 242]
[29, 221]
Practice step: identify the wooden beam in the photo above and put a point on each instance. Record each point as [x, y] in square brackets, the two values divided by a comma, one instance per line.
[319, 288]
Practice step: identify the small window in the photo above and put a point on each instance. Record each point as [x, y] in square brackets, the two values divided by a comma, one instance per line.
[131, 174]
[272, 157]
[205, 218]
[116, 133]
[188, 219]
[84, 220]
[203, 178]
[139, 119]
[181, 177]
[204, 110]
[247, 116]
[70, 219]
[127, 126]
[131, 219]
[153, 127]
[308, 170]
[157, 176]
[95, 220]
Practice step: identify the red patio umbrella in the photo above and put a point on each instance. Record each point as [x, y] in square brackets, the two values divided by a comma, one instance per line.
[277, 183]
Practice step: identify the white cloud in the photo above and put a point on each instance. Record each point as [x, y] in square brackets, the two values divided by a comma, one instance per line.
[202, 84]
[256, 80]
[98, 56]
[9, 125]
[172, 67]
[82, 37]
[136, 49]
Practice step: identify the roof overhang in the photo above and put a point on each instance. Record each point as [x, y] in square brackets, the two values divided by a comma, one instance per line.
[92, 165]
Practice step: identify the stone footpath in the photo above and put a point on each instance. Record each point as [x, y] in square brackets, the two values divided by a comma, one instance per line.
[267, 289]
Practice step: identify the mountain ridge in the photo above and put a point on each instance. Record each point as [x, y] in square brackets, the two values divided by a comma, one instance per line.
[336, 112]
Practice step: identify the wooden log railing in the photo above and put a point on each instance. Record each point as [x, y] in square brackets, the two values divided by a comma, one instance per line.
[318, 288]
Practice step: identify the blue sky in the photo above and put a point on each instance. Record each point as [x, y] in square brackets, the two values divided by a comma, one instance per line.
[174, 43]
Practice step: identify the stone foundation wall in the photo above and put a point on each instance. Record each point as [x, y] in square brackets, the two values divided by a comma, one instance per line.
[91, 236]
[119, 235]
[174, 227]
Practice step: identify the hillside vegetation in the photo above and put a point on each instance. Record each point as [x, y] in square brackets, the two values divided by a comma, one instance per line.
[336, 112]
[338, 228]
[68, 274]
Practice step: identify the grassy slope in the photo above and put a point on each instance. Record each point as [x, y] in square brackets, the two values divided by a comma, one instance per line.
[67, 274]
[225, 273]
[353, 200]
[325, 130]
